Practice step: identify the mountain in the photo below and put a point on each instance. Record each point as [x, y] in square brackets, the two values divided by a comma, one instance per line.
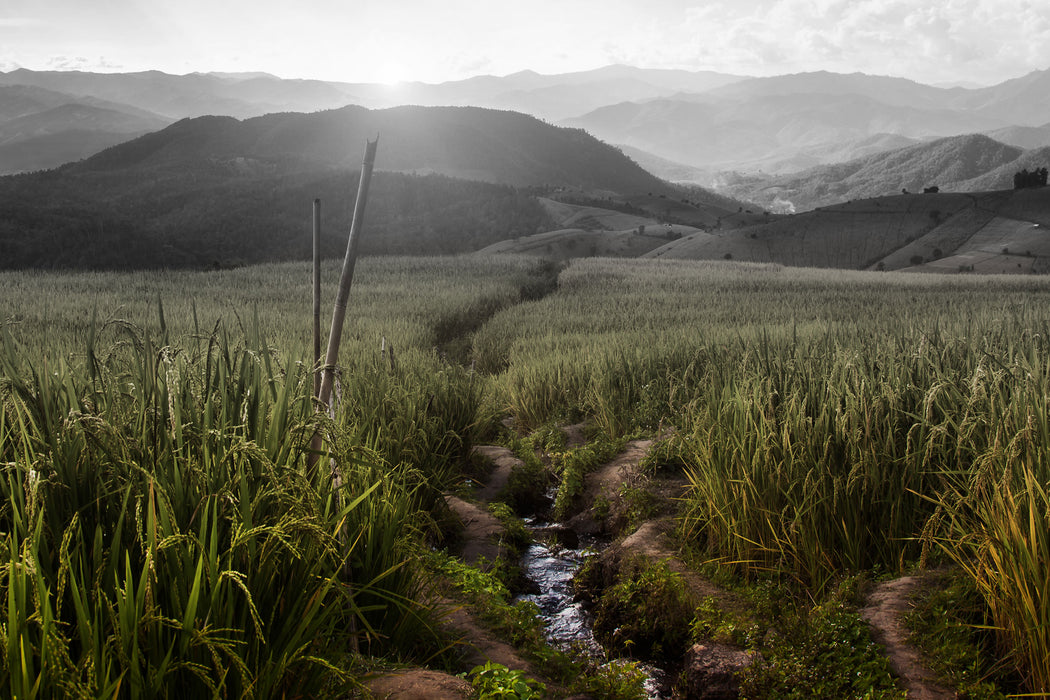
[465, 142]
[1023, 101]
[217, 190]
[898, 92]
[67, 132]
[780, 131]
[195, 94]
[1026, 137]
[41, 128]
[246, 95]
[958, 163]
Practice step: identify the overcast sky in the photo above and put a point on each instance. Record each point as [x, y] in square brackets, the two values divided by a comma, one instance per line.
[933, 41]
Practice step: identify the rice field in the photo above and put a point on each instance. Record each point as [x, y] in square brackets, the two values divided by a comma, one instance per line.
[154, 432]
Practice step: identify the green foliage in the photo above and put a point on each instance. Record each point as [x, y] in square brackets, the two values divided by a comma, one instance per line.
[949, 622]
[573, 465]
[642, 614]
[495, 682]
[619, 679]
[828, 654]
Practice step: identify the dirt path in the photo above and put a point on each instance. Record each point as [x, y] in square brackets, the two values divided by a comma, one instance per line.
[884, 612]
[481, 531]
[604, 485]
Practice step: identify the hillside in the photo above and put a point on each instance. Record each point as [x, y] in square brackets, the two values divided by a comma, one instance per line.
[1003, 231]
[466, 142]
[42, 128]
[219, 191]
[772, 132]
[958, 164]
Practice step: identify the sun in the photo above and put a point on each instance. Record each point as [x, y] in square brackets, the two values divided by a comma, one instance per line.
[391, 72]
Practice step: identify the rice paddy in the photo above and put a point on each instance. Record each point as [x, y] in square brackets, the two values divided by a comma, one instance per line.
[162, 526]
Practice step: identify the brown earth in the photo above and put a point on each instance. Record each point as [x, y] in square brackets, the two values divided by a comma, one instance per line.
[419, 684]
[886, 606]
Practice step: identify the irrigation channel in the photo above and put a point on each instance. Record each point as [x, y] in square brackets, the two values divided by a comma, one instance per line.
[551, 566]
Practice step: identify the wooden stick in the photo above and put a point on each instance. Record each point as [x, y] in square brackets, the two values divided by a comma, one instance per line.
[317, 298]
[347, 277]
[324, 391]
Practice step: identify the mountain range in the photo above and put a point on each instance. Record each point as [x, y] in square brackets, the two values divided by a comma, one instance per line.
[150, 169]
[706, 122]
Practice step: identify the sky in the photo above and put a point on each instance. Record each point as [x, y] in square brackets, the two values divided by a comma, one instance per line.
[977, 42]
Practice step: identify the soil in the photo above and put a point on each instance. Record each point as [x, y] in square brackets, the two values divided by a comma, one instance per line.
[419, 684]
[886, 606]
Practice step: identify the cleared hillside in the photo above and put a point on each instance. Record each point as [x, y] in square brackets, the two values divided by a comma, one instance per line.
[589, 231]
[965, 232]
[972, 162]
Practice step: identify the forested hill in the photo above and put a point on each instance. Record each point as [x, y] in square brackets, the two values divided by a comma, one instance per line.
[219, 191]
[467, 142]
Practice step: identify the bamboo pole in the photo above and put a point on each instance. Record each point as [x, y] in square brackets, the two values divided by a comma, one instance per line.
[324, 392]
[347, 277]
[317, 297]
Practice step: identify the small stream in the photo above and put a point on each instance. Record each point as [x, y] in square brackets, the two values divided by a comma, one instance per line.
[568, 625]
[566, 622]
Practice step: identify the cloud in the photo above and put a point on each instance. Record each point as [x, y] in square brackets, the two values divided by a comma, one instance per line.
[81, 63]
[983, 40]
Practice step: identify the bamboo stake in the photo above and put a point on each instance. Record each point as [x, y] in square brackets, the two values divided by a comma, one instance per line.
[347, 277]
[317, 297]
[324, 393]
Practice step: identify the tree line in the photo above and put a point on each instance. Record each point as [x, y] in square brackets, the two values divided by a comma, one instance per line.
[1035, 178]
[125, 220]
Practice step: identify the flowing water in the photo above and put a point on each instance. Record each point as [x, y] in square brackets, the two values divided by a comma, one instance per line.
[567, 623]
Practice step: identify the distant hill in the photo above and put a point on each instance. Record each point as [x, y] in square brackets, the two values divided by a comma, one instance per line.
[41, 128]
[465, 142]
[195, 94]
[1026, 137]
[959, 163]
[991, 232]
[216, 190]
[66, 133]
[246, 95]
[772, 132]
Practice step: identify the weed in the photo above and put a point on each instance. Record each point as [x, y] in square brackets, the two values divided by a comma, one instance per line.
[494, 681]
[642, 614]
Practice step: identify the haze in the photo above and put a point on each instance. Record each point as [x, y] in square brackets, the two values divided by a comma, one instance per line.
[971, 42]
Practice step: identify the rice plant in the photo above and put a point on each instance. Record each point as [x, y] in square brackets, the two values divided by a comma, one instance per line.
[162, 536]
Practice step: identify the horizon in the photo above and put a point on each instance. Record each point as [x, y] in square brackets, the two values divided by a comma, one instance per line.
[395, 84]
[969, 42]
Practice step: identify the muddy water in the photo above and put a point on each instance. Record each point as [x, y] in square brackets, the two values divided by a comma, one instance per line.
[567, 624]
